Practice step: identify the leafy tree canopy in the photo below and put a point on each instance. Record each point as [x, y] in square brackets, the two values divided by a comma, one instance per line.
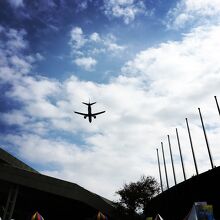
[134, 197]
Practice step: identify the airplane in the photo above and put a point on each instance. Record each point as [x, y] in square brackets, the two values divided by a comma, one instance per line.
[90, 115]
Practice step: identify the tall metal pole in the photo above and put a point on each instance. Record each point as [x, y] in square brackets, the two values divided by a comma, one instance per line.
[217, 104]
[171, 156]
[158, 160]
[177, 136]
[194, 158]
[165, 168]
[206, 139]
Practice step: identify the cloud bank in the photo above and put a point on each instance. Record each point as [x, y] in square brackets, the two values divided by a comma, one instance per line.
[151, 96]
[194, 13]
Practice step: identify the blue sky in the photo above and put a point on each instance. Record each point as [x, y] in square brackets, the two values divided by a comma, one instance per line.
[148, 63]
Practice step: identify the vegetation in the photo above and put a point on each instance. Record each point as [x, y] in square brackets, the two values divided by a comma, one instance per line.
[135, 196]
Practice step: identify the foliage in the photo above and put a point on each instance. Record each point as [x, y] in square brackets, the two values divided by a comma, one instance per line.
[134, 197]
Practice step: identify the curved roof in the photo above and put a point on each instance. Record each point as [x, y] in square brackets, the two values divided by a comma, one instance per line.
[7, 158]
[15, 171]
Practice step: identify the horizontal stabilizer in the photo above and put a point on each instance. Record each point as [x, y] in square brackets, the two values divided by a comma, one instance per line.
[89, 103]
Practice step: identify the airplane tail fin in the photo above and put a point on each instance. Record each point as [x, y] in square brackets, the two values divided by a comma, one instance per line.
[88, 103]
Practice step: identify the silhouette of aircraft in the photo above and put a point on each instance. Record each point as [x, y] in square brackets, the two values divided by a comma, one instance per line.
[90, 115]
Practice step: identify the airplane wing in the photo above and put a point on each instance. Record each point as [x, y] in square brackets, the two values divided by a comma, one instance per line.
[80, 113]
[97, 113]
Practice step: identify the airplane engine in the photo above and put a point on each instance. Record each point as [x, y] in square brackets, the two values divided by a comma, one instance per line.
[85, 116]
[94, 116]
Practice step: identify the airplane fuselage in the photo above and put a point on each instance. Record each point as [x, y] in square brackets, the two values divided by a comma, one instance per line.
[90, 113]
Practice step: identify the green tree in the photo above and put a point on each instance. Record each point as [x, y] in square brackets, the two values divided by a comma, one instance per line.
[135, 196]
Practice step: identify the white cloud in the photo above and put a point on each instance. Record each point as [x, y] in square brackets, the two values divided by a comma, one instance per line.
[83, 4]
[21, 64]
[100, 44]
[16, 39]
[160, 65]
[157, 90]
[190, 11]
[16, 3]
[14, 62]
[1, 29]
[39, 57]
[15, 117]
[86, 48]
[77, 39]
[30, 88]
[95, 37]
[87, 63]
[125, 9]
[113, 47]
